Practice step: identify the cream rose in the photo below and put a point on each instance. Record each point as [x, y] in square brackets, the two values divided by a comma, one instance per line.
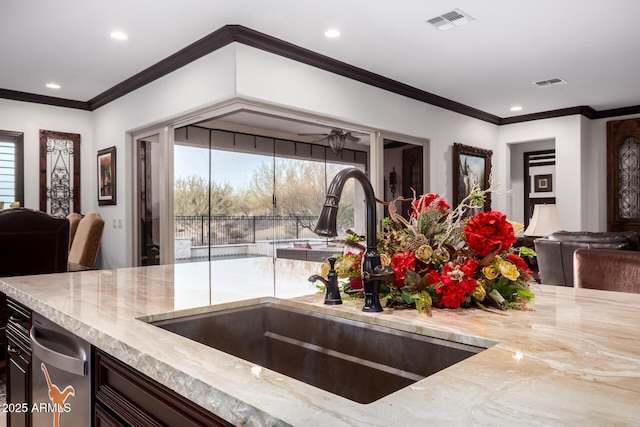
[442, 254]
[424, 253]
[508, 270]
[490, 272]
[385, 260]
[343, 267]
[324, 270]
[479, 293]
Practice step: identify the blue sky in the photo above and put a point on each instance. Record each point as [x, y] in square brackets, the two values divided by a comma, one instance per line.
[230, 167]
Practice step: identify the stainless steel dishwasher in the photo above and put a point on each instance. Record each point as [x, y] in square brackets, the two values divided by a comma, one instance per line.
[61, 376]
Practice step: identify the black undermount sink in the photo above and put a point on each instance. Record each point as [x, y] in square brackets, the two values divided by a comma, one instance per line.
[356, 360]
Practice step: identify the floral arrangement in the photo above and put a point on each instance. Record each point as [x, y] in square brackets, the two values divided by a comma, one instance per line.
[446, 258]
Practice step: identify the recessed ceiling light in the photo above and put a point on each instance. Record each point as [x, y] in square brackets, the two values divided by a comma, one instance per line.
[516, 108]
[119, 35]
[332, 33]
[53, 86]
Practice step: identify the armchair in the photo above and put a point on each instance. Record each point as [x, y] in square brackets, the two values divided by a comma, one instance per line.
[74, 219]
[610, 270]
[86, 241]
[32, 242]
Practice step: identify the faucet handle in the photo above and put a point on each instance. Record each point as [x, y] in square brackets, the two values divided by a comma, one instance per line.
[332, 262]
[332, 296]
[382, 274]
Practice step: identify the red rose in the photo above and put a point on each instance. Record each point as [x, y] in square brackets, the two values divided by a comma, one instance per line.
[453, 285]
[433, 277]
[400, 263]
[425, 201]
[487, 232]
[469, 267]
[356, 283]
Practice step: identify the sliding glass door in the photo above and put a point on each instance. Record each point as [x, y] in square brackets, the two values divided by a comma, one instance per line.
[241, 195]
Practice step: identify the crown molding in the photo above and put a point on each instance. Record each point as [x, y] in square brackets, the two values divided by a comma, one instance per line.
[239, 34]
[288, 50]
[194, 51]
[586, 111]
[15, 95]
[614, 112]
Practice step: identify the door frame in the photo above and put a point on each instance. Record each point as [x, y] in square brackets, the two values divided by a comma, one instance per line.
[166, 226]
[166, 132]
[528, 202]
[381, 136]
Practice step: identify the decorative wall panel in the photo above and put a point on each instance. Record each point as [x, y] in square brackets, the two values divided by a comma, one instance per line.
[628, 189]
[623, 175]
[59, 172]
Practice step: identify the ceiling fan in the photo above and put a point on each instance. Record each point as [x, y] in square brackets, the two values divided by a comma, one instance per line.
[337, 138]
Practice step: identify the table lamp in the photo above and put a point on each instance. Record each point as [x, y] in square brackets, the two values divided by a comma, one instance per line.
[545, 220]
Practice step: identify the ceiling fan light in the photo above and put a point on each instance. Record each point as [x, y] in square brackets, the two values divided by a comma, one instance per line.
[336, 142]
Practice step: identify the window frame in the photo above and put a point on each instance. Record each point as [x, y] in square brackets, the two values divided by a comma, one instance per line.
[17, 138]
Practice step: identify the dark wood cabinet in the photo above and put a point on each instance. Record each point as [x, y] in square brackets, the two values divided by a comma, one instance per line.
[103, 418]
[125, 397]
[18, 365]
[4, 316]
[18, 383]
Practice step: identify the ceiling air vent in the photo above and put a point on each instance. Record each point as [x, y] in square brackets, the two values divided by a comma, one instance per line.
[551, 82]
[448, 20]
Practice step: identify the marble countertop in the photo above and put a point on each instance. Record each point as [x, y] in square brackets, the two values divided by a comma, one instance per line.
[575, 360]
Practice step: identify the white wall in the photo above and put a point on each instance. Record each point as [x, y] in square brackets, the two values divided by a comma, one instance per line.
[202, 83]
[568, 134]
[581, 165]
[516, 177]
[29, 118]
[269, 78]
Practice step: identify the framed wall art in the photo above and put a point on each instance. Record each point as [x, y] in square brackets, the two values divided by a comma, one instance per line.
[107, 176]
[543, 183]
[471, 167]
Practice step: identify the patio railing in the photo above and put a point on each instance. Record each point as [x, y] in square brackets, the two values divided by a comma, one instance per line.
[224, 230]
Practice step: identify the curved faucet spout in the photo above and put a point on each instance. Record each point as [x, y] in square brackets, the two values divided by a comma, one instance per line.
[328, 219]
[327, 226]
[317, 277]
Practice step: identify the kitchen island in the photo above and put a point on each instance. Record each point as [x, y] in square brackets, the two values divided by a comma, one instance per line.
[575, 360]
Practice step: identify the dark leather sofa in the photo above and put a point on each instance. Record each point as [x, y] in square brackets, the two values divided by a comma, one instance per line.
[555, 252]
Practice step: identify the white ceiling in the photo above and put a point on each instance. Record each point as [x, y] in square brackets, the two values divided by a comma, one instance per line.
[489, 64]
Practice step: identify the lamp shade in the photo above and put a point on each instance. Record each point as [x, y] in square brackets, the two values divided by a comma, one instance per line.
[545, 221]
